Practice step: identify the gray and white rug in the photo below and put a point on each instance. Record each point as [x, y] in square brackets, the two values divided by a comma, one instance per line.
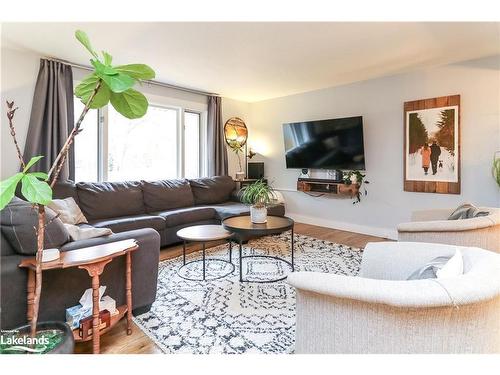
[226, 316]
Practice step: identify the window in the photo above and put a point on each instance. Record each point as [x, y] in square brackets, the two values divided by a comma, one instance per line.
[164, 144]
[191, 144]
[86, 145]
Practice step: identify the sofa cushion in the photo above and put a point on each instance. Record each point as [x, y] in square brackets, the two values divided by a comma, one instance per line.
[65, 189]
[126, 223]
[18, 220]
[167, 194]
[212, 190]
[101, 200]
[225, 210]
[183, 216]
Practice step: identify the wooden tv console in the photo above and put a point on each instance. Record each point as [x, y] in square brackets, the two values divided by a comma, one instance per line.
[325, 186]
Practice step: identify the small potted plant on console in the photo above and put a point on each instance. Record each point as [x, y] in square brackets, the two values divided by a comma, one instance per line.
[258, 195]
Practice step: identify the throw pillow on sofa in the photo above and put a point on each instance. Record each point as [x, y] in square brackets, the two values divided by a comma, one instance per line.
[440, 268]
[68, 211]
[467, 211]
[18, 220]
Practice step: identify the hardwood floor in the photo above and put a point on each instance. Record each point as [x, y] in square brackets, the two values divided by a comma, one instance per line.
[116, 341]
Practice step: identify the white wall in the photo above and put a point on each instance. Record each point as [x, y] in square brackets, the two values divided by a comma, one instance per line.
[380, 102]
[19, 70]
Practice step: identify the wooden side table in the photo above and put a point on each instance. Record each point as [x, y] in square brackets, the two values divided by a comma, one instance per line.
[92, 259]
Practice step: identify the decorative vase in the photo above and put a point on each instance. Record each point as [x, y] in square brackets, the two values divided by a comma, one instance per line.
[258, 214]
[240, 176]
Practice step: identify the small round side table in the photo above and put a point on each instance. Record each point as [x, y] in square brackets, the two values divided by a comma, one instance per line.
[204, 234]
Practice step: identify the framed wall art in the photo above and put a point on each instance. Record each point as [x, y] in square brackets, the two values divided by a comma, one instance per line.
[432, 145]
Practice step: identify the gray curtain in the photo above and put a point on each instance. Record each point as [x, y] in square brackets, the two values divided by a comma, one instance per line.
[216, 147]
[52, 117]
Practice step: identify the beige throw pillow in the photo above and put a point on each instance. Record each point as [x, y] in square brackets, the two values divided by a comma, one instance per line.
[68, 211]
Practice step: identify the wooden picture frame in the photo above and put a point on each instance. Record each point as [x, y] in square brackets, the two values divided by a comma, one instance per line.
[432, 145]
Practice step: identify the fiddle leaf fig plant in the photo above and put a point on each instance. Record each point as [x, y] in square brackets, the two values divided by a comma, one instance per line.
[115, 82]
[106, 84]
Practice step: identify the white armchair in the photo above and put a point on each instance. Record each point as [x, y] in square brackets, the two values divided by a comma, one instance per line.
[433, 226]
[379, 311]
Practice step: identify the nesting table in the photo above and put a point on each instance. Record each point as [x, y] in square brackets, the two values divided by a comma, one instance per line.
[243, 228]
[204, 234]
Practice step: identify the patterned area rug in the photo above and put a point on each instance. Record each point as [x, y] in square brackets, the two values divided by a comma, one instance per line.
[226, 316]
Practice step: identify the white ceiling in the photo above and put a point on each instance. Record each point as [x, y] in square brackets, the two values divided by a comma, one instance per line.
[258, 61]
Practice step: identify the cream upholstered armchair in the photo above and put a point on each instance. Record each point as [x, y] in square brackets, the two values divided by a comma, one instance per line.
[433, 226]
[379, 311]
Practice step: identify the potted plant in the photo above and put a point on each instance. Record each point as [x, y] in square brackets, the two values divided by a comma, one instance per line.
[105, 84]
[356, 177]
[258, 195]
[495, 169]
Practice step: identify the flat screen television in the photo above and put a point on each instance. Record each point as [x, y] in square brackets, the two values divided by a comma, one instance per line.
[325, 144]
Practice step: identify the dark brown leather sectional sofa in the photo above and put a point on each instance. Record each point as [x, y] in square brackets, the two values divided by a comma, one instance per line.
[165, 205]
[151, 212]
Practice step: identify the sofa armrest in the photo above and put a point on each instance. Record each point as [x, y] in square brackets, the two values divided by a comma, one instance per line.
[431, 214]
[141, 235]
[234, 197]
[447, 225]
[401, 294]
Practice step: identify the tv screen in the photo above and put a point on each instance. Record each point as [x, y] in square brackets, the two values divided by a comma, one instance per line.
[325, 144]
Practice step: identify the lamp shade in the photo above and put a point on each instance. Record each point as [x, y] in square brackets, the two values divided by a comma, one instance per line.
[235, 133]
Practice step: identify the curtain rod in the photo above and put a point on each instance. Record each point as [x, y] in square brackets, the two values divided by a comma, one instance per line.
[152, 82]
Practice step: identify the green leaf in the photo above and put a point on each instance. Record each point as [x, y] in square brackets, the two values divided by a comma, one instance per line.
[117, 83]
[131, 103]
[84, 39]
[102, 69]
[36, 191]
[137, 71]
[33, 160]
[85, 89]
[8, 189]
[41, 175]
[107, 58]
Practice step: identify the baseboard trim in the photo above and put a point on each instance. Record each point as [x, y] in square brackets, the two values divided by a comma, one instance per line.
[362, 229]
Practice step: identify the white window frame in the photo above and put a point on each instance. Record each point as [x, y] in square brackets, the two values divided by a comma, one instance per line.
[103, 140]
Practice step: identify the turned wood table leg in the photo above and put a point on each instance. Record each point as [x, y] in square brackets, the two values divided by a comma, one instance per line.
[94, 270]
[31, 295]
[95, 314]
[128, 290]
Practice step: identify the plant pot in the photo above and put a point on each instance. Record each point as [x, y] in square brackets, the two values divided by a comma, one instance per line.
[258, 214]
[65, 346]
[240, 176]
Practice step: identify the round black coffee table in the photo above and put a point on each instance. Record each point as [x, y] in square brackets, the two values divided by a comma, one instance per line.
[242, 227]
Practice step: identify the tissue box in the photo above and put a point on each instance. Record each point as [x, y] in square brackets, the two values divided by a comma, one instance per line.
[77, 313]
[108, 303]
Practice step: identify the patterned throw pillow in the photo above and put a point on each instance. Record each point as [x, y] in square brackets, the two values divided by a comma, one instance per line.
[467, 211]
